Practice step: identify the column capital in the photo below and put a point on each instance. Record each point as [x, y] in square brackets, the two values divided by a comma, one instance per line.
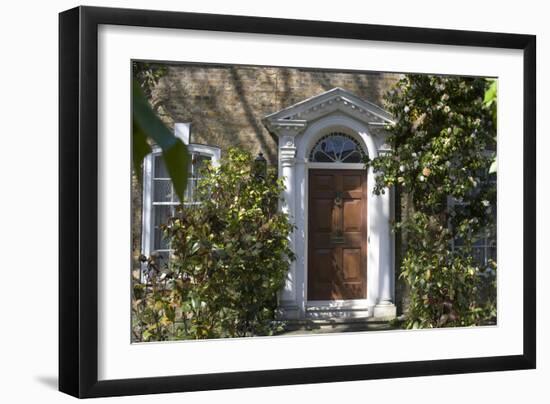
[287, 156]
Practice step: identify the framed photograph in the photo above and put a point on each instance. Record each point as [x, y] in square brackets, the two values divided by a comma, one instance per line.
[251, 201]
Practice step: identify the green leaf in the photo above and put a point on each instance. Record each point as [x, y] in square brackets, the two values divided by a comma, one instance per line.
[147, 124]
[140, 149]
[494, 166]
[491, 93]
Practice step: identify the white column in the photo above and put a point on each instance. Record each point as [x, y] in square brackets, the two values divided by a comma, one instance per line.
[373, 250]
[385, 293]
[289, 303]
[385, 307]
[287, 162]
[291, 297]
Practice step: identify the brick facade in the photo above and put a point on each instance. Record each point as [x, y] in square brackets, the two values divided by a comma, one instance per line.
[227, 103]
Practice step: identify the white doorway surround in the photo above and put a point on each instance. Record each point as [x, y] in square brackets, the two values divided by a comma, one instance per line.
[298, 128]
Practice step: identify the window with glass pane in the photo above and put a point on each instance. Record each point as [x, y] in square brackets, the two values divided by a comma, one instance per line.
[485, 247]
[198, 162]
[164, 199]
[336, 148]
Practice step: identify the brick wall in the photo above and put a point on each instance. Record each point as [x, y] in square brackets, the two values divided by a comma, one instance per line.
[226, 103]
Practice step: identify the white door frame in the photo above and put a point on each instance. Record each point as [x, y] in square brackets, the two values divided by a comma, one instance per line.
[298, 128]
[337, 307]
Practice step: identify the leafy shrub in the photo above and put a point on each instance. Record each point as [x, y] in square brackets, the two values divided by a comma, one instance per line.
[231, 255]
[155, 304]
[447, 287]
[439, 152]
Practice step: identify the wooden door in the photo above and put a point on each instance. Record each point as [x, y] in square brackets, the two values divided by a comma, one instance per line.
[337, 234]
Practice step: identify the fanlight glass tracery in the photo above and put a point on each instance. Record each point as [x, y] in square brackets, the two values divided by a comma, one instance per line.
[337, 147]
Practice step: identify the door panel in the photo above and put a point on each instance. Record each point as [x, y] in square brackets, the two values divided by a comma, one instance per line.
[352, 215]
[324, 185]
[321, 210]
[337, 234]
[353, 184]
[352, 264]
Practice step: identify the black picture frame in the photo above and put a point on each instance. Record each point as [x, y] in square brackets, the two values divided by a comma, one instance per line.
[78, 201]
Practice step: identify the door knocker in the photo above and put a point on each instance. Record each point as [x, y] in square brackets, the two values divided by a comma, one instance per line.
[338, 199]
[337, 237]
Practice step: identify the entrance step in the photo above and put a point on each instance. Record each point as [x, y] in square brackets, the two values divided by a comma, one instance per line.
[309, 327]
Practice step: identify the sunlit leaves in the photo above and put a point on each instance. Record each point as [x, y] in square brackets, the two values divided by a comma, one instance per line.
[490, 102]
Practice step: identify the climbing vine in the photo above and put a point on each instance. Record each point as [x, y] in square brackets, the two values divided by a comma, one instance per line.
[443, 143]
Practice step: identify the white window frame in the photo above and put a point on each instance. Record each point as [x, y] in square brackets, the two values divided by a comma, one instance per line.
[147, 225]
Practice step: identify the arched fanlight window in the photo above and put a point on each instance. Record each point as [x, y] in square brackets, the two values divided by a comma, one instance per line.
[337, 147]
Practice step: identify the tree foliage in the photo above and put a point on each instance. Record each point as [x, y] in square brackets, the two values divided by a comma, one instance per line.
[490, 102]
[231, 256]
[440, 157]
[147, 75]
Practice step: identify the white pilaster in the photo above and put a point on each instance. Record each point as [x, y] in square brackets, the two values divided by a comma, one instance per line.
[291, 297]
[385, 307]
[287, 160]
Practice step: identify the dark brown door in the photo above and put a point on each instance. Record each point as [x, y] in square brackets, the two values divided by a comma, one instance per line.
[337, 251]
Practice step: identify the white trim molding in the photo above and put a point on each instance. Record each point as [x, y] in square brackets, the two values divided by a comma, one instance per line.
[298, 129]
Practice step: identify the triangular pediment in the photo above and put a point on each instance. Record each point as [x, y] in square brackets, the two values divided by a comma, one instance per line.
[335, 100]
